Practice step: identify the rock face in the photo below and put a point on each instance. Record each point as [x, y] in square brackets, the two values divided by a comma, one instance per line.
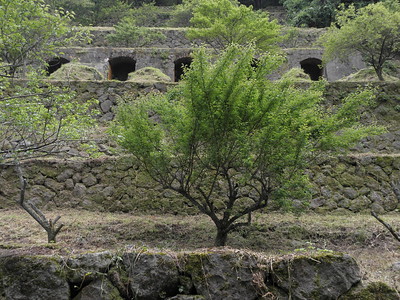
[211, 274]
[32, 278]
[223, 275]
[152, 276]
[100, 289]
[117, 184]
[327, 276]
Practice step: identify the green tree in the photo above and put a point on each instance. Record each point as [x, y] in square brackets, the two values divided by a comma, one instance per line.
[30, 31]
[223, 22]
[36, 119]
[128, 34]
[231, 142]
[373, 31]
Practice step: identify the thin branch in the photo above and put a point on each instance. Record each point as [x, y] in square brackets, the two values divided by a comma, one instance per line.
[391, 230]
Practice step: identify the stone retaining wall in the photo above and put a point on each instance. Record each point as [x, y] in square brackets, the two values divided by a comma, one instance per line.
[355, 183]
[212, 274]
[386, 111]
[358, 182]
[176, 38]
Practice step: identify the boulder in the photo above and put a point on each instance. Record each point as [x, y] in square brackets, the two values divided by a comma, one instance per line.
[152, 275]
[320, 276]
[100, 289]
[186, 297]
[374, 290]
[32, 278]
[223, 275]
[87, 267]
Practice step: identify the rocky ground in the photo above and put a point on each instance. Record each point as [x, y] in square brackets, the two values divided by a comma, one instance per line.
[359, 235]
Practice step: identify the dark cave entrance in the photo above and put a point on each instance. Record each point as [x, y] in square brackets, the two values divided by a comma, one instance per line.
[180, 65]
[312, 67]
[54, 64]
[120, 67]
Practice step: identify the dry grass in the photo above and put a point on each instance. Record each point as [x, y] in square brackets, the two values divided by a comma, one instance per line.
[273, 234]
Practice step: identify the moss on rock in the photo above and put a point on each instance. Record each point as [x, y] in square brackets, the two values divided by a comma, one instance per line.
[75, 71]
[295, 75]
[367, 74]
[373, 291]
[148, 74]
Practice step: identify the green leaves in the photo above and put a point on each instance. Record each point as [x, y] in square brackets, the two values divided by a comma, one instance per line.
[31, 32]
[230, 141]
[373, 31]
[38, 120]
[223, 22]
[128, 34]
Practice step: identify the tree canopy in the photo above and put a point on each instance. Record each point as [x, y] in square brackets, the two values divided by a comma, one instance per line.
[373, 31]
[223, 22]
[231, 142]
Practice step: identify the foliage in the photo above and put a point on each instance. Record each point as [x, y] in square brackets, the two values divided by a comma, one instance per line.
[183, 13]
[147, 15]
[93, 12]
[314, 13]
[223, 22]
[37, 119]
[373, 31]
[128, 34]
[230, 141]
[30, 31]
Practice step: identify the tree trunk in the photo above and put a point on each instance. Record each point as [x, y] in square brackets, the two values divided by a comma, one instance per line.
[36, 213]
[51, 236]
[220, 239]
[379, 72]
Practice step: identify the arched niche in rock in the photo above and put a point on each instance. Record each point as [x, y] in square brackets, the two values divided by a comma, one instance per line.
[120, 67]
[54, 64]
[180, 65]
[312, 67]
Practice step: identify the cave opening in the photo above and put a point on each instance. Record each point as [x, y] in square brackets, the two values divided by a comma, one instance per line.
[312, 67]
[120, 67]
[54, 64]
[180, 65]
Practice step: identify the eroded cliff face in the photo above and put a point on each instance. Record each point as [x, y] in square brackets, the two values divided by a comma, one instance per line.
[207, 274]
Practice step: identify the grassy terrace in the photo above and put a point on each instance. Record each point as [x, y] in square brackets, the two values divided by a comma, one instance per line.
[359, 235]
